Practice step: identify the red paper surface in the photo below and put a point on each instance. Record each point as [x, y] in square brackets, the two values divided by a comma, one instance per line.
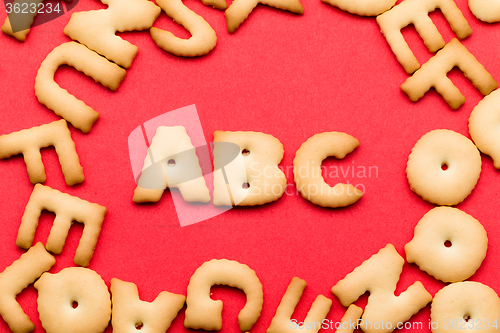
[287, 75]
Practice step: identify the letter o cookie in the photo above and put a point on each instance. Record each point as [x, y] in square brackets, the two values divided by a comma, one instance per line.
[75, 300]
[473, 306]
[484, 126]
[467, 244]
[485, 10]
[362, 7]
[443, 167]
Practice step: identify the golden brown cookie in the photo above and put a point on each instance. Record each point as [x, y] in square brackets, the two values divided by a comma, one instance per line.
[203, 37]
[465, 307]
[484, 126]
[239, 10]
[379, 276]
[130, 314]
[75, 300]
[204, 313]
[172, 151]
[416, 12]
[282, 322]
[448, 244]
[485, 10]
[29, 142]
[433, 75]
[362, 7]
[76, 55]
[96, 28]
[67, 209]
[443, 167]
[18, 277]
[307, 169]
[23, 19]
[253, 177]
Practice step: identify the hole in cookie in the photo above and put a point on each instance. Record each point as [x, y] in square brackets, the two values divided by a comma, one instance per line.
[466, 318]
[245, 152]
[138, 326]
[74, 304]
[444, 166]
[245, 186]
[447, 243]
[171, 162]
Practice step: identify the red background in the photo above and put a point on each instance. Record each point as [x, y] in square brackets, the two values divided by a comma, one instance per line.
[287, 75]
